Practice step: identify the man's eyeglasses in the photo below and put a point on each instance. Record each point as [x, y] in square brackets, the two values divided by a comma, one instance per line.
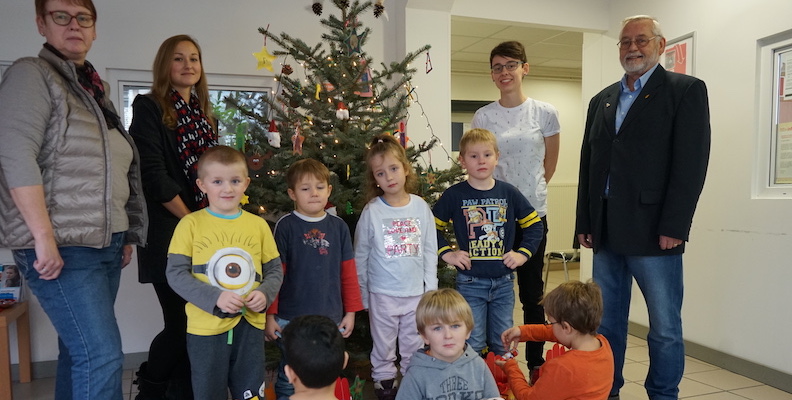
[63, 18]
[640, 42]
[551, 323]
[510, 66]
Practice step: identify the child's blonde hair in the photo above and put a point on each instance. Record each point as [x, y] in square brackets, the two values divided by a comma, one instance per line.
[306, 166]
[220, 154]
[477, 135]
[576, 303]
[443, 306]
[387, 144]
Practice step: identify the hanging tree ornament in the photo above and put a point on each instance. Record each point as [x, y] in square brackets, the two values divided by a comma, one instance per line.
[316, 7]
[297, 142]
[428, 63]
[379, 8]
[401, 134]
[286, 69]
[353, 41]
[255, 161]
[273, 135]
[365, 81]
[342, 112]
[264, 58]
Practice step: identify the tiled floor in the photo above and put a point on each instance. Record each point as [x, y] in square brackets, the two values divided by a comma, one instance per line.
[702, 381]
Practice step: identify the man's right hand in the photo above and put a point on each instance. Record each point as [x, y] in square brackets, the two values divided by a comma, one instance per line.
[584, 239]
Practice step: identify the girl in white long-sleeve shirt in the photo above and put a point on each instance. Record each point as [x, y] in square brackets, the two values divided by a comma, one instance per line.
[396, 259]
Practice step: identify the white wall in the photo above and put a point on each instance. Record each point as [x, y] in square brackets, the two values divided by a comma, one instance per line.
[737, 269]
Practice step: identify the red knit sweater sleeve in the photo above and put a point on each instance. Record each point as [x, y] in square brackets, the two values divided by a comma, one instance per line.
[350, 288]
[537, 333]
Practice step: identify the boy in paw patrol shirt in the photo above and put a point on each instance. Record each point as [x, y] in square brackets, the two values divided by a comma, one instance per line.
[484, 211]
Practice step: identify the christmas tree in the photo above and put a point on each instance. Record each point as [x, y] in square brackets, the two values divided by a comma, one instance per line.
[329, 106]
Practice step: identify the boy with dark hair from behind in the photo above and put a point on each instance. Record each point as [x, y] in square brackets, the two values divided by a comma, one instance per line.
[574, 311]
[315, 357]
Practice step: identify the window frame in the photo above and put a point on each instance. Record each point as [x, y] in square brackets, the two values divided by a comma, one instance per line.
[118, 79]
[769, 51]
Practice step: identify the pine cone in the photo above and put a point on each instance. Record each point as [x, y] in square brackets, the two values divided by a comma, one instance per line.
[317, 8]
[286, 69]
[378, 10]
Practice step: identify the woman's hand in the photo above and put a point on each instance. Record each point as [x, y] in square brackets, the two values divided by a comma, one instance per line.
[48, 259]
[126, 256]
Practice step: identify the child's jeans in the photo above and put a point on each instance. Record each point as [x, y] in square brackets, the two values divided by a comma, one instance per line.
[282, 386]
[492, 302]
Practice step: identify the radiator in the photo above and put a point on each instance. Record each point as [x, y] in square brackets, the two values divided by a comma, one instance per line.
[561, 203]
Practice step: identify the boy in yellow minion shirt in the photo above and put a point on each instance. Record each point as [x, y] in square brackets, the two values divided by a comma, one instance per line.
[225, 263]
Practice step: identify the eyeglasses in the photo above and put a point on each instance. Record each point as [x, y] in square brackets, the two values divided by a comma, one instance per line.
[510, 66]
[63, 18]
[551, 323]
[640, 42]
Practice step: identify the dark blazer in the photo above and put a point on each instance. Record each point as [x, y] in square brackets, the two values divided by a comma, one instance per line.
[163, 178]
[656, 163]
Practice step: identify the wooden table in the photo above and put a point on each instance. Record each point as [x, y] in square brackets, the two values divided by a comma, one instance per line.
[19, 313]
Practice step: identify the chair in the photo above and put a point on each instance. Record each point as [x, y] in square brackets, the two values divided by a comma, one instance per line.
[565, 257]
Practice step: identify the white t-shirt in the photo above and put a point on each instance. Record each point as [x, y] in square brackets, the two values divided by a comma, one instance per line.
[520, 132]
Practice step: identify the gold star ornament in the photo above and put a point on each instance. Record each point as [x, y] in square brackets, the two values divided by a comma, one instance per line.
[264, 59]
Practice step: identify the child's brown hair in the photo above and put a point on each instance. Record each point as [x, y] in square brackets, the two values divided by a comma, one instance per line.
[576, 303]
[381, 145]
[220, 154]
[306, 166]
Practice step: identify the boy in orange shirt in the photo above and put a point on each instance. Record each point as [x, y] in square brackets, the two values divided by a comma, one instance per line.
[574, 311]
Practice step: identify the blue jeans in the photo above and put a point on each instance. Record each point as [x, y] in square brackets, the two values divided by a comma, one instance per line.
[80, 305]
[660, 281]
[282, 386]
[492, 302]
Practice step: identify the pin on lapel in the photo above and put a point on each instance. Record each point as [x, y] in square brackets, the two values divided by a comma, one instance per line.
[607, 105]
[646, 97]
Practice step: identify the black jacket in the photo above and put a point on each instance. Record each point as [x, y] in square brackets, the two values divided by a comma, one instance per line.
[657, 164]
[163, 178]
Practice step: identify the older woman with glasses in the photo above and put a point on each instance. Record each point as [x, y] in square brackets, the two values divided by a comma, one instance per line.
[528, 135]
[71, 203]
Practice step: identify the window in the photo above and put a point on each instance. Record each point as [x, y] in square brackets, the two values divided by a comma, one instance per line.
[231, 124]
[774, 166]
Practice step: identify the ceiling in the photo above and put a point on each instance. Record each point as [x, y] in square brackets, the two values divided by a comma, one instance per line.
[552, 53]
